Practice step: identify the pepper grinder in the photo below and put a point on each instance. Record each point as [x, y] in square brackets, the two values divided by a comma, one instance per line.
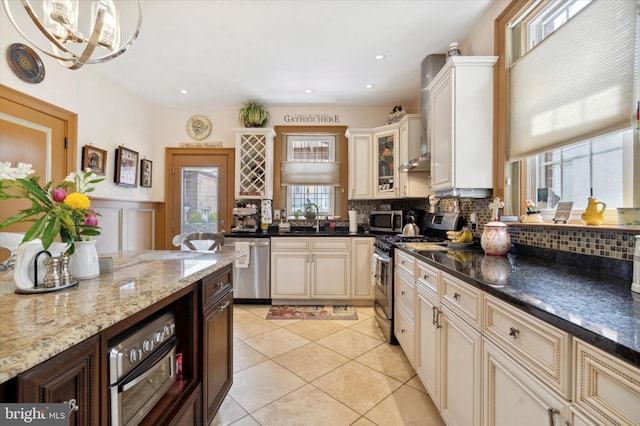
[65, 274]
[635, 283]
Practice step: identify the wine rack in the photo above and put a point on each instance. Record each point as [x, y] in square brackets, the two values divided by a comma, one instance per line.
[254, 163]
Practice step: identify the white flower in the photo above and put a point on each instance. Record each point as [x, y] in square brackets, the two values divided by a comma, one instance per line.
[21, 171]
[83, 181]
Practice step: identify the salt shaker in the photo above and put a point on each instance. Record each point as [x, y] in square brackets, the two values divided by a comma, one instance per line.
[52, 279]
[635, 283]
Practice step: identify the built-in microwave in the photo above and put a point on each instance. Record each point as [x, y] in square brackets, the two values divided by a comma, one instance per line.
[386, 220]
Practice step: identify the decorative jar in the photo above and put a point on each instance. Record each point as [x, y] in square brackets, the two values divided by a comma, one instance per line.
[495, 240]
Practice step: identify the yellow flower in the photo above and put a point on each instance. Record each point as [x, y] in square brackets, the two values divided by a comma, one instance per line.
[77, 201]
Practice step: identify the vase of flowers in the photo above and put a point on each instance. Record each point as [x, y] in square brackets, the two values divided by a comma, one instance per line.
[57, 211]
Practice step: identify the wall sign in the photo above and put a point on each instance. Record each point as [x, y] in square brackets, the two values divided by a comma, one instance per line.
[311, 118]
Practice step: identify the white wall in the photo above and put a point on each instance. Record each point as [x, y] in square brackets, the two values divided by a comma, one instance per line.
[481, 40]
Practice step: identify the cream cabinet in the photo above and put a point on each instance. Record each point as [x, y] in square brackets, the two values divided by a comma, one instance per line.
[254, 163]
[427, 330]
[360, 164]
[310, 268]
[405, 304]
[460, 353]
[411, 184]
[461, 124]
[604, 387]
[361, 280]
[512, 396]
[540, 347]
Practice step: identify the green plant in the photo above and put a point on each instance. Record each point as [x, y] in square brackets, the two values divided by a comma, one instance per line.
[254, 114]
[196, 218]
[213, 217]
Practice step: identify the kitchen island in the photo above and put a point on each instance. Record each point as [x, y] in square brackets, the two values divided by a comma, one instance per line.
[40, 328]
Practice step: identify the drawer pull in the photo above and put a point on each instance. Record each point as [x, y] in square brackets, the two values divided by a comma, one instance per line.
[425, 277]
[403, 331]
[552, 415]
[456, 296]
[514, 332]
[402, 292]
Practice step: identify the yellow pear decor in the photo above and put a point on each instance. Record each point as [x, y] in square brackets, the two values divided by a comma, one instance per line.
[592, 215]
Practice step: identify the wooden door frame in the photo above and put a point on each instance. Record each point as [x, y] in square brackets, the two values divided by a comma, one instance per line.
[230, 153]
[70, 119]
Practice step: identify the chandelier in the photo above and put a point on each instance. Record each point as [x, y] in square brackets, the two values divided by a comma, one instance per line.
[59, 25]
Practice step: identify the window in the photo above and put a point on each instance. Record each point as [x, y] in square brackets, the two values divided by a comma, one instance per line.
[311, 149]
[331, 172]
[571, 102]
[575, 172]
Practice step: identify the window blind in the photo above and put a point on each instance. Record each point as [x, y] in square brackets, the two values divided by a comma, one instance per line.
[578, 83]
[315, 173]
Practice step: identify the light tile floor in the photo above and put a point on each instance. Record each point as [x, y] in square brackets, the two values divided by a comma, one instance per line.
[320, 372]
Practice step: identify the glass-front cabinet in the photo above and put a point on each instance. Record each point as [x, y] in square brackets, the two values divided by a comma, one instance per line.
[254, 163]
[386, 146]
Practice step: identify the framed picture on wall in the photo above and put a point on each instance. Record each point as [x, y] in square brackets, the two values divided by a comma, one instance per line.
[146, 169]
[95, 159]
[126, 167]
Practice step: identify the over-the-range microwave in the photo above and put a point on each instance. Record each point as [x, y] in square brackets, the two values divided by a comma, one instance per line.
[386, 220]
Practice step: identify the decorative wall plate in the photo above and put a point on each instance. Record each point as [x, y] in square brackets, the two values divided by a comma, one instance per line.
[25, 63]
[199, 127]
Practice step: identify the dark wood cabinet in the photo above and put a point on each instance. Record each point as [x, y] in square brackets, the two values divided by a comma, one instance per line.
[73, 377]
[191, 412]
[217, 342]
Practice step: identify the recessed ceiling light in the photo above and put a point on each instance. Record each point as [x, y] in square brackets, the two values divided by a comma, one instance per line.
[183, 91]
[308, 90]
[380, 56]
[369, 86]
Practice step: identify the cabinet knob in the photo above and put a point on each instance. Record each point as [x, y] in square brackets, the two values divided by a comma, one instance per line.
[403, 331]
[402, 292]
[514, 332]
[456, 296]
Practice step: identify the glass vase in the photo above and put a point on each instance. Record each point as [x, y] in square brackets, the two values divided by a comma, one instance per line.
[84, 262]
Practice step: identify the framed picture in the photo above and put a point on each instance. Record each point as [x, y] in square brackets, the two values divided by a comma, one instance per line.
[563, 212]
[145, 173]
[126, 167]
[95, 159]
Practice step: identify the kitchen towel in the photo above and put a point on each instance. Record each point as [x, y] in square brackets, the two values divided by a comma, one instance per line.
[243, 262]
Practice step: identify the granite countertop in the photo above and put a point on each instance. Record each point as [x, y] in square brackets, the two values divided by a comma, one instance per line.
[303, 233]
[36, 327]
[598, 309]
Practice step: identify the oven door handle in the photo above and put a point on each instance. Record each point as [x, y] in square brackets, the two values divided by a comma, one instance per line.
[128, 384]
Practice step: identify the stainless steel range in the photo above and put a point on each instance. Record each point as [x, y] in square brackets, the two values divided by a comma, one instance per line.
[142, 367]
[434, 229]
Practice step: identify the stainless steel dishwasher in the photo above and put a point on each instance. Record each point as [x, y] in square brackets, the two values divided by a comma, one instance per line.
[252, 279]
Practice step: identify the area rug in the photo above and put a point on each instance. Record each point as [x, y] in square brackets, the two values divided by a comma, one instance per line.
[312, 312]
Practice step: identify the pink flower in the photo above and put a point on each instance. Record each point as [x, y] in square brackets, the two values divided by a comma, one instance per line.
[59, 195]
[91, 220]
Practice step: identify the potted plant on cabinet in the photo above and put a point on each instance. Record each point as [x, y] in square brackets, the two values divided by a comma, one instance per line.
[254, 114]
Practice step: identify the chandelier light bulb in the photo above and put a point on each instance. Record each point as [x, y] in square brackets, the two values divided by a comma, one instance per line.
[58, 30]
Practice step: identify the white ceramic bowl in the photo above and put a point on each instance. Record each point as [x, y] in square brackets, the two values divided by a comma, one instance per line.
[629, 216]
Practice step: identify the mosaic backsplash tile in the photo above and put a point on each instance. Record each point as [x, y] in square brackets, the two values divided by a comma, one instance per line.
[606, 242]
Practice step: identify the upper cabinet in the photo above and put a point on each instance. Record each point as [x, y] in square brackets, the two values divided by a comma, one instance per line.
[374, 156]
[360, 164]
[385, 174]
[254, 163]
[461, 120]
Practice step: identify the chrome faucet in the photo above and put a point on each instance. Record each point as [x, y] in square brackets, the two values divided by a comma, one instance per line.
[310, 204]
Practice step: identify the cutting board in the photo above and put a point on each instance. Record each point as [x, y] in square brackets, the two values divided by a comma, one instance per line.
[426, 246]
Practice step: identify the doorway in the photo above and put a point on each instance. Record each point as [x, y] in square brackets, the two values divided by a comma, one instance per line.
[36, 133]
[199, 193]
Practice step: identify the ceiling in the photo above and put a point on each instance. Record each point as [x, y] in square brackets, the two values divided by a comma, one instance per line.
[227, 52]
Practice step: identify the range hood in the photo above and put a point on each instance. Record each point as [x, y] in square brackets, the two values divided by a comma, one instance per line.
[419, 154]
[420, 164]
[464, 193]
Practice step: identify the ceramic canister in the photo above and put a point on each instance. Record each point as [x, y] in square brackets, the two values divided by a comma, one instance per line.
[495, 239]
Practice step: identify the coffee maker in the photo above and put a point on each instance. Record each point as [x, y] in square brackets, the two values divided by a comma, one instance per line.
[245, 218]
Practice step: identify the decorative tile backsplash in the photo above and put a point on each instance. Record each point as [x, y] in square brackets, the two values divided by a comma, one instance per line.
[606, 242]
